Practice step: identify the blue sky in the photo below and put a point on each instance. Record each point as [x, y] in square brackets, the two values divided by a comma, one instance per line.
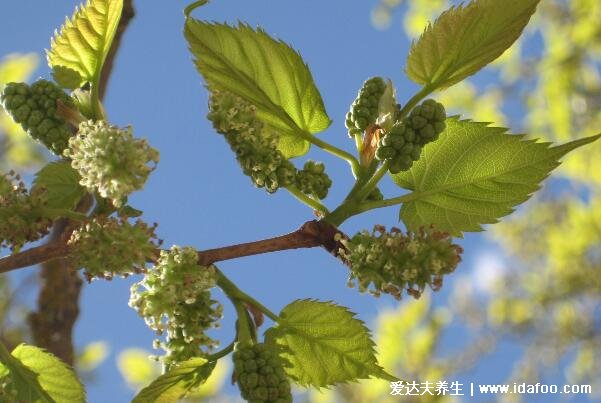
[198, 195]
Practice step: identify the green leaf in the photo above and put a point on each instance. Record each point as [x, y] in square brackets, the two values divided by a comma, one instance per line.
[84, 41]
[325, 344]
[61, 184]
[178, 382]
[267, 73]
[475, 174]
[466, 38]
[41, 377]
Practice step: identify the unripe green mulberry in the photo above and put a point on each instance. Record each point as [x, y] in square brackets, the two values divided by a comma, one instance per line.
[259, 372]
[255, 147]
[175, 298]
[20, 217]
[365, 108]
[391, 262]
[35, 109]
[110, 160]
[313, 180]
[109, 246]
[403, 143]
[427, 120]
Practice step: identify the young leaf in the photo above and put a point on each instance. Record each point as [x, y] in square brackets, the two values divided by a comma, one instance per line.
[466, 38]
[83, 42]
[178, 382]
[325, 344]
[266, 72]
[475, 174]
[61, 184]
[41, 377]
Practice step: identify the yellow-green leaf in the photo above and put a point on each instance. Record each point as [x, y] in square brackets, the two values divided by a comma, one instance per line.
[39, 376]
[475, 174]
[264, 71]
[83, 42]
[177, 383]
[466, 38]
[325, 344]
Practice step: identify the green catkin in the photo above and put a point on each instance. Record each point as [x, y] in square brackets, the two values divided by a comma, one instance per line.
[35, 109]
[105, 247]
[364, 109]
[175, 299]
[391, 261]
[403, 143]
[110, 160]
[313, 180]
[20, 218]
[259, 372]
[255, 147]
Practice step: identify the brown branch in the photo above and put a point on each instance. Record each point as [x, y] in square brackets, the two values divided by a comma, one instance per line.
[309, 235]
[127, 14]
[304, 237]
[33, 256]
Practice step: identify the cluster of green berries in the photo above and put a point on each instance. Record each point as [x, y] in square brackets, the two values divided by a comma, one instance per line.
[365, 108]
[21, 218]
[175, 299]
[35, 109]
[108, 246]
[313, 180]
[390, 262]
[110, 160]
[255, 146]
[260, 374]
[403, 143]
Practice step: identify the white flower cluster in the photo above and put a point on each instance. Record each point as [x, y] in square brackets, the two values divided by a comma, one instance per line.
[110, 160]
[175, 299]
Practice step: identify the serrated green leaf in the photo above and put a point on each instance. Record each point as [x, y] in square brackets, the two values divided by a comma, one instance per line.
[264, 71]
[41, 377]
[61, 184]
[84, 41]
[466, 38]
[475, 174]
[325, 344]
[176, 383]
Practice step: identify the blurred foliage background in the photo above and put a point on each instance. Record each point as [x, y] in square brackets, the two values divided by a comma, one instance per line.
[545, 297]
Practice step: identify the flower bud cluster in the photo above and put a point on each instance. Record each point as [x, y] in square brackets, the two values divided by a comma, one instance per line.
[260, 375]
[35, 109]
[365, 108]
[254, 145]
[108, 246]
[175, 298]
[313, 180]
[390, 261]
[110, 160]
[21, 220]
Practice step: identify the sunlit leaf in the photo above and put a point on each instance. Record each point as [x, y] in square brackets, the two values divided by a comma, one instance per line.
[325, 344]
[41, 377]
[84, 41]
[176, 383]
[264, 71]
[475, 174]
[466, 38]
